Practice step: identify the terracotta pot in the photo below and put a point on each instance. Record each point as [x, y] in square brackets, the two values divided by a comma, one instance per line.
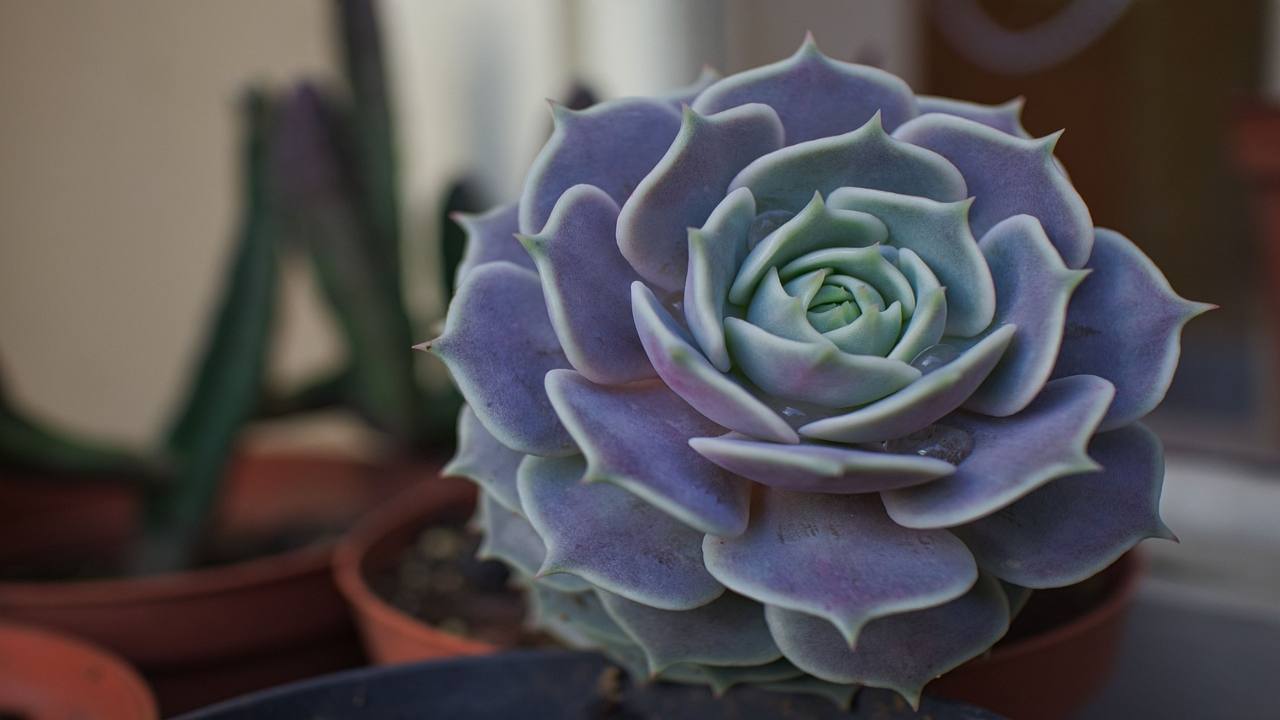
[1051, 675]
[390, 635]
[209, 633]
[47, 676]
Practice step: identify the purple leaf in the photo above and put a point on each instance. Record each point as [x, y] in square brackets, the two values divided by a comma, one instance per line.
[814, 95]
[1032, 290]
[900, 652]
[612, 538]
[1009, 176]
[1124, 324]
[727, 631]
[715, 252]
[499, 315]
[818, 468]
[939, 234]
[584, 149]
[1011, 455]
[485, 461]
[866, 157]
[490, 238]
[690, 375]
[577, 617]
[920, 403]
[1005, 117]
[510, 538]
[839, 557]
[585, 281]
[637, 437]
[687, 184]
[1075, 526]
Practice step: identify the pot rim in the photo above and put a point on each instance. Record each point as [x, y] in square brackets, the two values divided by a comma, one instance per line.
[129, 678]
[277, 568]
[414, 506]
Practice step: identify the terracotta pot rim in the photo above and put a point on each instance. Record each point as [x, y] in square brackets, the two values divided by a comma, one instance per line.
[260, 571]
[1130, 567]
[410, 507]
[129, 678]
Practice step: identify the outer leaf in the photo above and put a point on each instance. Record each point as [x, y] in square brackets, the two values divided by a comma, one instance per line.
[839, 557]
[727, 631]
[491, 237]
[866, 157]
[613, 539]
[1005, 117]
[1012, 456]
[1124, 324]
[814, 95]
[484, 460]
[586, 284]
[818, 468]
[1074, 527]
[510, 538]
[636, 436]
[922, 402]
[1009, 176]
[1032, 291]
[498, 315]
[900, 652]
[687, 184]
[583, 150]
[691, 376]
[575, 614]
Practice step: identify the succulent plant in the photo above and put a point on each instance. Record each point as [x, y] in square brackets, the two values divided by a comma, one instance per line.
[797, 378]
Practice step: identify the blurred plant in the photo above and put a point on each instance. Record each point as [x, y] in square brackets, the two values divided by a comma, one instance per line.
[319, 176]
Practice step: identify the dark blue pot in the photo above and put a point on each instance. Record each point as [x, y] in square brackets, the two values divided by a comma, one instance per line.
[542, 685]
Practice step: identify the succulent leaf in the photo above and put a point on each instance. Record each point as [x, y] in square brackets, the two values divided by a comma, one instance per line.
[1137, 349]
[1076, 526]
[484, 460]
[938, 233]
[491, 237]
[509, 537]
[583, 151]
[692, 377]
[920, 403]
[999, 470]
[1033, 287]
[612, 538]
[900, 652]
[818, 468]
[729, 631]
[815, 96]
[866, 157]
[865, 565]
[636, 436]
[1009, 176]
[510, 401]
[1005, 117]
[586, 283]
[687, 184]
[715, 252]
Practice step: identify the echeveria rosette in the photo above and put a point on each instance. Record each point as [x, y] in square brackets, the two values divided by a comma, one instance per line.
[805, 382]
